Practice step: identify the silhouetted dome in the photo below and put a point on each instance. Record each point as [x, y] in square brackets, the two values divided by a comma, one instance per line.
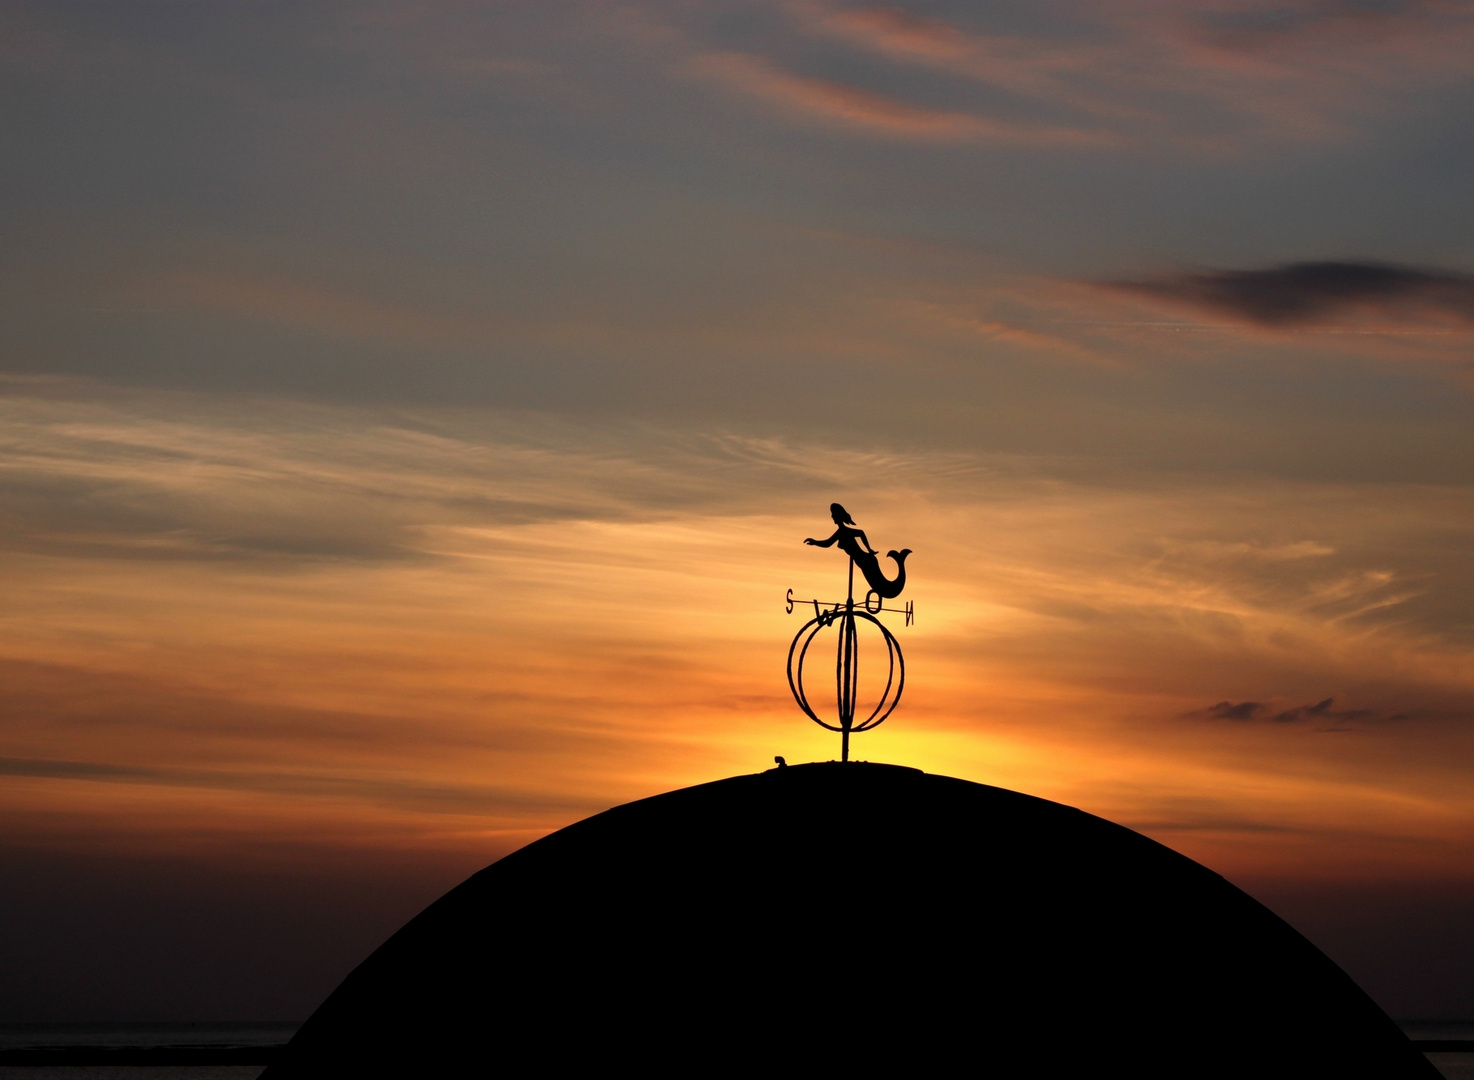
[857, 916]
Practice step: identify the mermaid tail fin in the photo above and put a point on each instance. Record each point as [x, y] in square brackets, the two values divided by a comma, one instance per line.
[870, 567]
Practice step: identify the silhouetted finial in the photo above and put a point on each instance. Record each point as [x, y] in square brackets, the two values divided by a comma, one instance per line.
[854, 543]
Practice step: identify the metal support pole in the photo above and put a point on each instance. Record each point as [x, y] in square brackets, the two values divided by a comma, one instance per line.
[848, 666]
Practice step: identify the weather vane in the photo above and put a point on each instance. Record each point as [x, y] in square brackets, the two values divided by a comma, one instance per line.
[846, 617]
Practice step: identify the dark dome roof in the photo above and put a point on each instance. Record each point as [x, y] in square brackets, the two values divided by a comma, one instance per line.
[855, 915]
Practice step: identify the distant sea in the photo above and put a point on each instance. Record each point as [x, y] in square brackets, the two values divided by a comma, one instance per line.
[1454, 1066]
[28, 1036]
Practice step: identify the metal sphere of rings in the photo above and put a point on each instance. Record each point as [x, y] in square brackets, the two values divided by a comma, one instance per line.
[847, 670]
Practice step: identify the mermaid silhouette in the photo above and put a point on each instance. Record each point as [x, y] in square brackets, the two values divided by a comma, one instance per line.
[854, 543]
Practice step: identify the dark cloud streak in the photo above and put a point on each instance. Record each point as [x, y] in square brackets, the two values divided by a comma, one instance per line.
[1228, 710]
[1305, 293]
[1319, 710]
[420, 796]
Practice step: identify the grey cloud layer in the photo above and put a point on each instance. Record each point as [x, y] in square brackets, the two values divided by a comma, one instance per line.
[663, 209]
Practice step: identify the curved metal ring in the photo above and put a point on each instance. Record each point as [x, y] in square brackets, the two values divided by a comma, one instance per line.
[795, 679]
[896, 676]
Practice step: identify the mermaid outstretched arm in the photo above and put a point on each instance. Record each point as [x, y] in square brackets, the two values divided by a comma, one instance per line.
[839, 535]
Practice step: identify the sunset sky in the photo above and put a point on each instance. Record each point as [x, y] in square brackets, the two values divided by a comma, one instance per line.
[410, 415]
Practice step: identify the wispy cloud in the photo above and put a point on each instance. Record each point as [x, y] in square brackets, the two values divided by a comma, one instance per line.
[1049, 346]
[828, 102]
[1027, 67]
[1215, 77]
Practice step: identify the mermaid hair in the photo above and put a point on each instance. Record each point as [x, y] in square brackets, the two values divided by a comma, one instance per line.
[837, 511]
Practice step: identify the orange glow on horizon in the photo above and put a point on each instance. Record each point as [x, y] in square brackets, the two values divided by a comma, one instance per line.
[492, 679]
